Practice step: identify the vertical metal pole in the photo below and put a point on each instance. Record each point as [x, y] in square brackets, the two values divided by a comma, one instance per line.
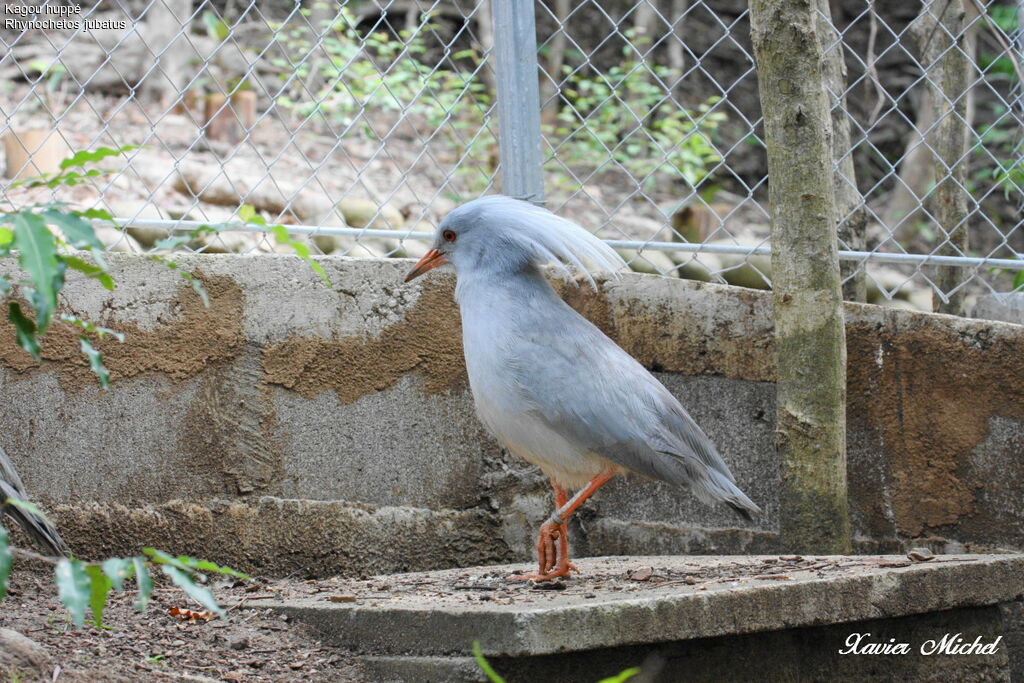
[518, 99]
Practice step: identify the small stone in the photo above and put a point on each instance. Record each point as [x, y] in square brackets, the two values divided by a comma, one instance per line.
[19, 652]
[342, 598]
[238, 642]
[921, 555]
[641, 574]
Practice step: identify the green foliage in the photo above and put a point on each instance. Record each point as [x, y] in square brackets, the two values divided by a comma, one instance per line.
[145, 582]
[282, 236]
[216, 28]
[189, 564]
[6, 560]
[200, 594]
[83, 586]
[375, 72]
[626, 114]
[484, 665]
[1004, 17]
[45, 237]
[378, 76]
[73, 588]
[25, 505]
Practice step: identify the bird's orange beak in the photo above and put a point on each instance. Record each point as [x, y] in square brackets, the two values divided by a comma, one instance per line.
[432, 259]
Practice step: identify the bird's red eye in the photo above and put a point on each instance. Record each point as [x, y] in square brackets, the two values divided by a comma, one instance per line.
[448, 236]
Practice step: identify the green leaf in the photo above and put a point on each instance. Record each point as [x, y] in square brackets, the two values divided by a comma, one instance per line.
[100, 214]
[24, 329]
[100, 332]
[247, 214]
[1018, 280]
[6, 560]
[173, 242]
[95, 361]
[85, 156]
[190, 563]
[621, 677]
[117, 570]
[196, 284]
[282, 236]
[185, 582]
[216, 28]
[145, 582]
[78, 233]
[74, 588]
[6, 238]
[37, 255]
[27, 506]
[484, 665]
[97, 272]
[99, 588]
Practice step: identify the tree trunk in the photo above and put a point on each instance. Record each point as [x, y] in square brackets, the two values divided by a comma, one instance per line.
[940, 33]
[551, 86]
[809, 328]
[676, 54]
[165, 31]
[850, 204]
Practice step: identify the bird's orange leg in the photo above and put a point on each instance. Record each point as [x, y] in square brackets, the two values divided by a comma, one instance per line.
[561, 498]
[551, 565]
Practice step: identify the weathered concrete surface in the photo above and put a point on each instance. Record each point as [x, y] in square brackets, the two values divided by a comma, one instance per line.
[300, 538]
[1006, 307]
[604, 615]
[356, 394]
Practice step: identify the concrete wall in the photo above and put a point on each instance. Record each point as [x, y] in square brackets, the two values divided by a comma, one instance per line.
[293, 427]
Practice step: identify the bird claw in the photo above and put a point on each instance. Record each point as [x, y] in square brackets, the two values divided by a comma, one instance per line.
[553, 564]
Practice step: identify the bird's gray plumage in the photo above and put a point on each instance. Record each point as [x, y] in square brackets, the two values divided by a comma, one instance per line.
[550, 385]
[40, 530]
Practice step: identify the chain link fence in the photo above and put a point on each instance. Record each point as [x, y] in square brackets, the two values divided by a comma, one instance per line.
[358, 125]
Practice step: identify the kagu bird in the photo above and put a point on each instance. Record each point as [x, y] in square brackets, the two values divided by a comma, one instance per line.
[550, 386]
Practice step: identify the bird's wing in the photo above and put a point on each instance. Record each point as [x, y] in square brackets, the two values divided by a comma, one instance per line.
[582, 385]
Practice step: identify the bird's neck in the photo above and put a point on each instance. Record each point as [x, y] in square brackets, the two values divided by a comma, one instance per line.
[490, 288]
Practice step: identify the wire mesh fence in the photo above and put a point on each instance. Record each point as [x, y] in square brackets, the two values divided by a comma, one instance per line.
[358, 125]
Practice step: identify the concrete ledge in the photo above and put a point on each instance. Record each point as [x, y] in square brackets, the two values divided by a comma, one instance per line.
[441, 613]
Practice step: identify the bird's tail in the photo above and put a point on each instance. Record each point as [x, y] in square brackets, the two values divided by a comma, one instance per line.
[40, 530]
[718, 488]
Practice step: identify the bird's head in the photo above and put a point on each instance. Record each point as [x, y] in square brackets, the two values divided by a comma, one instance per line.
[501, 235]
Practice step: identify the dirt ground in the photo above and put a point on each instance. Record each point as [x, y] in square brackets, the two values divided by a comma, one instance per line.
[251, 644]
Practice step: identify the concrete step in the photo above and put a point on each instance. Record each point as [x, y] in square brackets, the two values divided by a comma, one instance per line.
[714, 617]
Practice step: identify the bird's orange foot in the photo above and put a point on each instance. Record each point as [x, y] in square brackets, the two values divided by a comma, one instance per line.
[552, 564]
[541, 577]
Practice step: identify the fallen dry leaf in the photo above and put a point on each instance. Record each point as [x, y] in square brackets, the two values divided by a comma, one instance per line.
[190, 615]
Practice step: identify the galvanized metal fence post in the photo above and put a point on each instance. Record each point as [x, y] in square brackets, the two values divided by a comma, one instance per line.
[518, 99]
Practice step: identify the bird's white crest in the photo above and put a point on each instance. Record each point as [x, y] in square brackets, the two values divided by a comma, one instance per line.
[550, 239]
